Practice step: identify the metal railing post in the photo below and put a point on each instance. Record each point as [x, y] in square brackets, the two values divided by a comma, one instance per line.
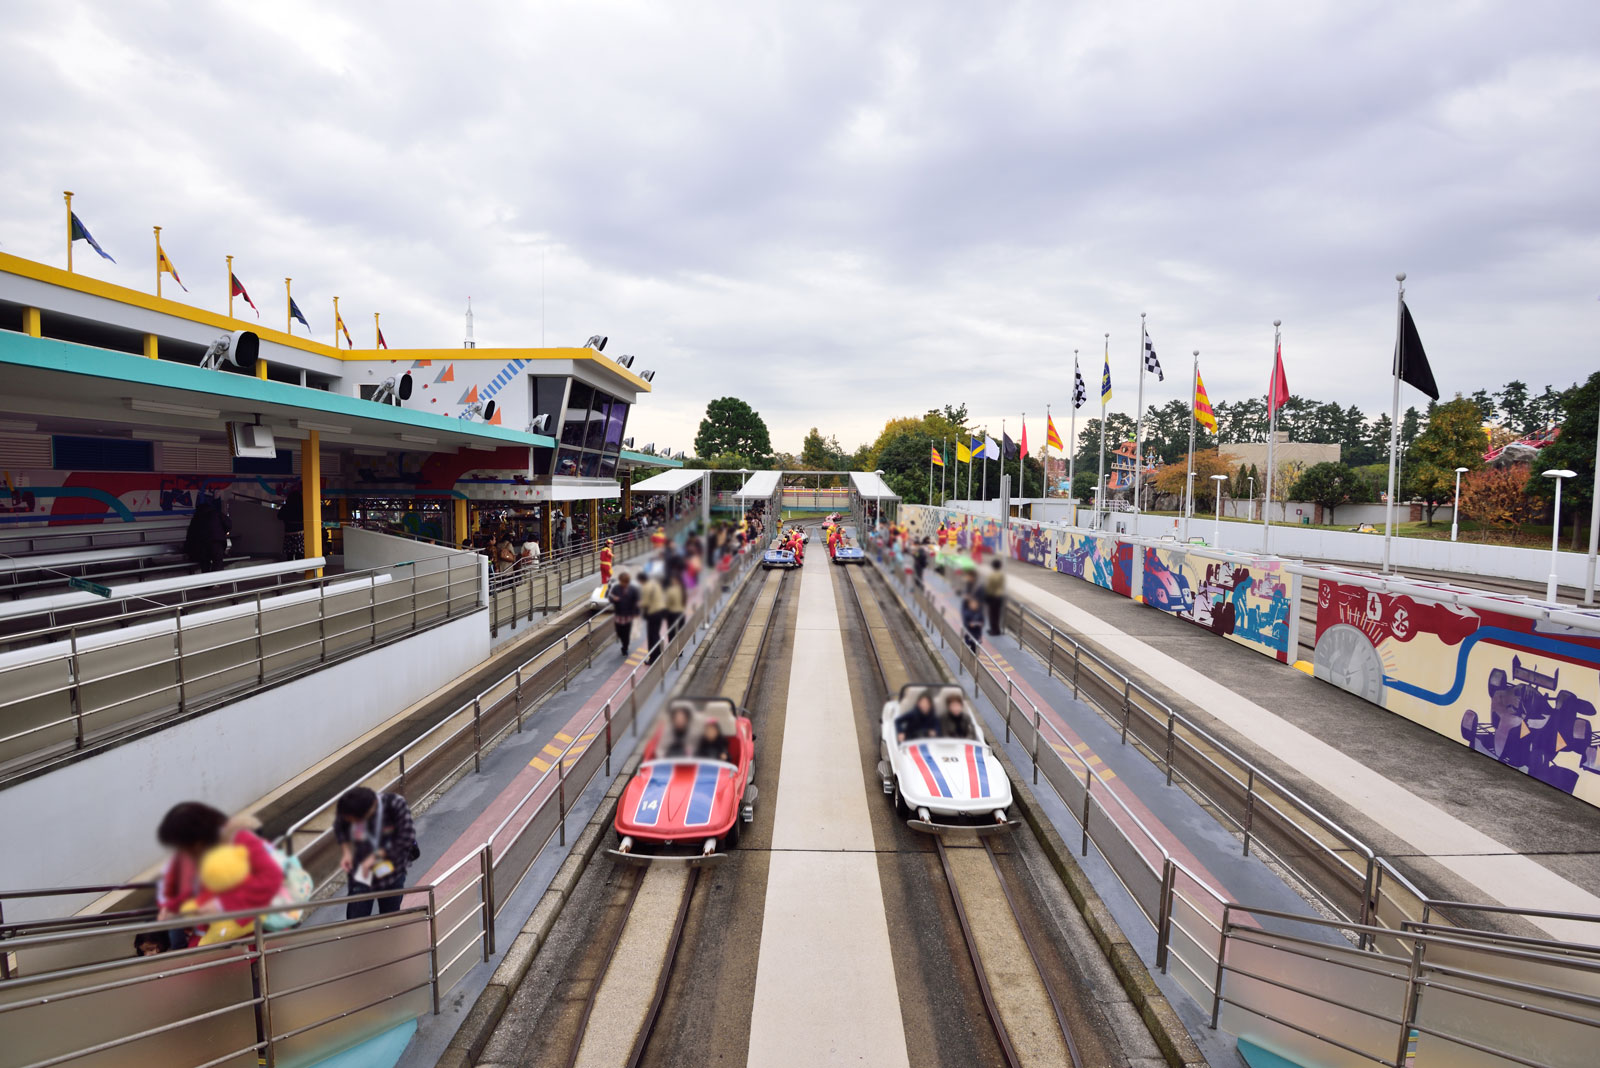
[372, 606]
[264, 1006]
[561, 793]
[177, 621]
[261, 652]
[564, 664]
[608, 737]
[1008, 710]
[1408, 1012]
[1087, 780]
[1172, 724]
[1368, 906]
[400, 783]
[486, 863]
[1076, 649]
[477, 734]
[433, 948]
[322, 621]
[517, 697]
[1038, 729]
[1249, 807]
[414, 594]
[1222, 956]
[76, 693]
[1164, 917]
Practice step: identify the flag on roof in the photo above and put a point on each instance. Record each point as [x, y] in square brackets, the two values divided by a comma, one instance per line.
[339, 327]
[1410, 362]
[1052, 439]
[938, 461]
[81, 232]
[296, 313]
[1202, 406]
[236, 289]
[382, 344]
[164, 264]
[1150, 361]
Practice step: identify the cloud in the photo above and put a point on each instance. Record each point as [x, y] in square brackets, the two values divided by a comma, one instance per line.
[845, 213]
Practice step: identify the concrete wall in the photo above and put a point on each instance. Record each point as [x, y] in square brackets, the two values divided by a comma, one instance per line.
[95, 820]
[1346, 515]
[367, 549]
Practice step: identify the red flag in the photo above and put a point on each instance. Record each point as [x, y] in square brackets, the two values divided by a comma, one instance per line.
[1024, 437]
[382, 344]
[1278, 391]
[237, 290]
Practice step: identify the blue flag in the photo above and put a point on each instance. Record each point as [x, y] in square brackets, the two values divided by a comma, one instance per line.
[80, 231]
[294, 310]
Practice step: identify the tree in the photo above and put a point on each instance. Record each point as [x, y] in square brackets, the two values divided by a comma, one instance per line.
[1083, 486]
[1572, 450]
[1454, 438]
[1119, 428]
[732, 426]
[1170, 478]
[1485, 402]
[1494, 497]
[1330, 485]
[822, 454]
[1515, 406]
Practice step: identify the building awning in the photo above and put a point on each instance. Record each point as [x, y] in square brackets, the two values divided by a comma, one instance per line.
[870, 487]
[670, 481]
[646, 459]
[760, 486]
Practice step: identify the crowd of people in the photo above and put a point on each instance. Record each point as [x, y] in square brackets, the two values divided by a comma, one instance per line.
[982, 591]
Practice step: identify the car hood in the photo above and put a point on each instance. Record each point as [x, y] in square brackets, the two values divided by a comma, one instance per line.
[954, 768]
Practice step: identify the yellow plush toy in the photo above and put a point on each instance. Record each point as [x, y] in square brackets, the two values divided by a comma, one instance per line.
[221, 869]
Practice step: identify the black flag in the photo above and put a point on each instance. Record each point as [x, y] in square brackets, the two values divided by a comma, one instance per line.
[1410, 362]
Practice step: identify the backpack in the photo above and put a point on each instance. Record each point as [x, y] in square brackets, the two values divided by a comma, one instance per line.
[296, 890]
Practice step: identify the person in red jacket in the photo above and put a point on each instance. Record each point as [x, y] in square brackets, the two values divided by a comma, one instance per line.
[605, 563]
[189, 829]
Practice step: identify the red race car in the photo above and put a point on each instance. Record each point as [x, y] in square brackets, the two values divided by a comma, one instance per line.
[693, 789]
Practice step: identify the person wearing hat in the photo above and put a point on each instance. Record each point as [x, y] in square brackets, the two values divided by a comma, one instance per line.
[605, 563]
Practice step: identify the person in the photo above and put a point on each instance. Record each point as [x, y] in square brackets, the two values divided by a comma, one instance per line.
[653, 605]
[377, 843]
[955, 723]
[919, 560]
[994, 595]
[191, 829]
[921, 722]
[605, 563]
[505, 556]
[676, 601]
[713, 746]
[624, 598]
[292, 514]
[972, 620]
[658, 538]
[675, 739]
[530, 551]
[150, 943]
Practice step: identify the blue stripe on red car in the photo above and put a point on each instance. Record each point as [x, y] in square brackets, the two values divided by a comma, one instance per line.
[705, 792]
[653, 796]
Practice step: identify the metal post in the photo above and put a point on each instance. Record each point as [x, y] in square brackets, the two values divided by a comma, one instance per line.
[414, 592]
[400, 783]
[564, 664]
[1172, 723]
[261, 658]
[1222, 956]
[517, 695]
[1249, 807]
[561, 794]
[608, 737]
[477, 734]
[177, 620]
[1036, 732]
[486, 866]
[1164, 917]
[1367, 904]
[1050, 658]
[76, 693]
[1408, 1013]
[322, 620]
[372, 607]
[1008, 700]
[433, 949]
[264, 1007]
[1076, 649]
[1126, 684]
[1087, 781]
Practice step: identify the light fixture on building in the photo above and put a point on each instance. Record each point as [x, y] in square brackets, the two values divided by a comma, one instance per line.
[393, 390]
[648, 376]
[624, 361]
[627, 443]
[540, 424]
[326, 428]
[596, 342]
[139, 404]
[240, 348]
[419, 439]
[18, 424]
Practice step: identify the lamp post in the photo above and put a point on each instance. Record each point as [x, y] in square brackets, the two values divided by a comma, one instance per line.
[1455, 513]
[1216, 536]
[1252, 497]
[877, 502]
[1555, 533]
[744, 476]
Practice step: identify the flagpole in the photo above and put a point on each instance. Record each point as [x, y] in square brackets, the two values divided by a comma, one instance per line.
[1044, 482]
[1138, 422]
[336, 322]
[1022, 459]
[1272, 436]
[1394, 419]
[930, 477]
[1001, 479]
[1100, 485]
[1188, 486]
[944, 446]
[985, 463]
[230, 287]
[377, 331]
[1072, 441]
[68, 197]
[158, 260]
[288, 307]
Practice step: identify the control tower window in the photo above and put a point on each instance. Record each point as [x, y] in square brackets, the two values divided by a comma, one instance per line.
[596, 435]
[616, 423]
[575, 424]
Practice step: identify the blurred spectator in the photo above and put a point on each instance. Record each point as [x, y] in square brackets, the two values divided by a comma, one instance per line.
[150, 943]
[377, 843]
[191, 829]
[653, 605]
[292, 514]
[624, 598]
[206, 541]
[677, 602]
[994, 595]
[972, 620]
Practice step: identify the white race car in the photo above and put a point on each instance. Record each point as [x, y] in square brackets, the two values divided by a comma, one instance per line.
[600, 600]
[942, 777]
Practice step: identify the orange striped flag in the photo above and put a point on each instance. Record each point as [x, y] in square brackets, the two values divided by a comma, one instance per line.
[936, 459]
[1202, 406]
[1051, 438]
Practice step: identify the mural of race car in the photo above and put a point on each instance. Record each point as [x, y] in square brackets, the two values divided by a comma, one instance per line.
[1531, 720]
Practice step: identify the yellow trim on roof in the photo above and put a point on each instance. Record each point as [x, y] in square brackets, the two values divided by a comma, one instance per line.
[95, 287]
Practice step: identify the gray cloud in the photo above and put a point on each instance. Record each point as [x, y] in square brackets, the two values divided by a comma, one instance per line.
[848, 212]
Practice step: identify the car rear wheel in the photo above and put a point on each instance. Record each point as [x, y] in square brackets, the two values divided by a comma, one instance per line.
[730, 841]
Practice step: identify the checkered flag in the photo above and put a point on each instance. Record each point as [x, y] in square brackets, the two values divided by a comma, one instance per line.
[1150, 361]
[1080, 392]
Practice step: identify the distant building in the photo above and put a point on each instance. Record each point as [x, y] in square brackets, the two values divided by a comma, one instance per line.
[1299, 454]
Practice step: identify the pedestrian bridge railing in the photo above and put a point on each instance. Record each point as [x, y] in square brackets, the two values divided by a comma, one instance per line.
[72, 687]
[1379, 962]
[73, 989]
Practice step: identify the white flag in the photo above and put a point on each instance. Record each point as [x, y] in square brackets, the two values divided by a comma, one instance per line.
[991, 448]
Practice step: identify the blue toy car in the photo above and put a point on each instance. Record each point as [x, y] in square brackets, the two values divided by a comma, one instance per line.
[778, 558]
[849, 554]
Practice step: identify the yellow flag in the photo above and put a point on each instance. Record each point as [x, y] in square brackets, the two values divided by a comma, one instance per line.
[963, 454]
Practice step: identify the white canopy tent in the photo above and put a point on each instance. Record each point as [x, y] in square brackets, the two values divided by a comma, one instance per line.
[676, 481]
[868, 487]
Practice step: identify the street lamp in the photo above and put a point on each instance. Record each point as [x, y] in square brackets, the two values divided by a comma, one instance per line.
[1216, 537]
[1455, 514]
[1252, 479]
[877, 501]
[744, 476]
[1555, 533]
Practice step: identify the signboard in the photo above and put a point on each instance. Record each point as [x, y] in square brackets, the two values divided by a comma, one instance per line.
[89, 587]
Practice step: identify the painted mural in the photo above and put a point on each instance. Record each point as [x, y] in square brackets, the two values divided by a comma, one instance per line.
[1518, 690]
[1247, 600]
[1100, 559]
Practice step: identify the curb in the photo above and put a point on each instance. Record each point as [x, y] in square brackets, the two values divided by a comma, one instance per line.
[1160, 1018]
[490, 1007]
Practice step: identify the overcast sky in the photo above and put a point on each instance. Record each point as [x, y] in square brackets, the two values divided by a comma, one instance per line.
[847, 212]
